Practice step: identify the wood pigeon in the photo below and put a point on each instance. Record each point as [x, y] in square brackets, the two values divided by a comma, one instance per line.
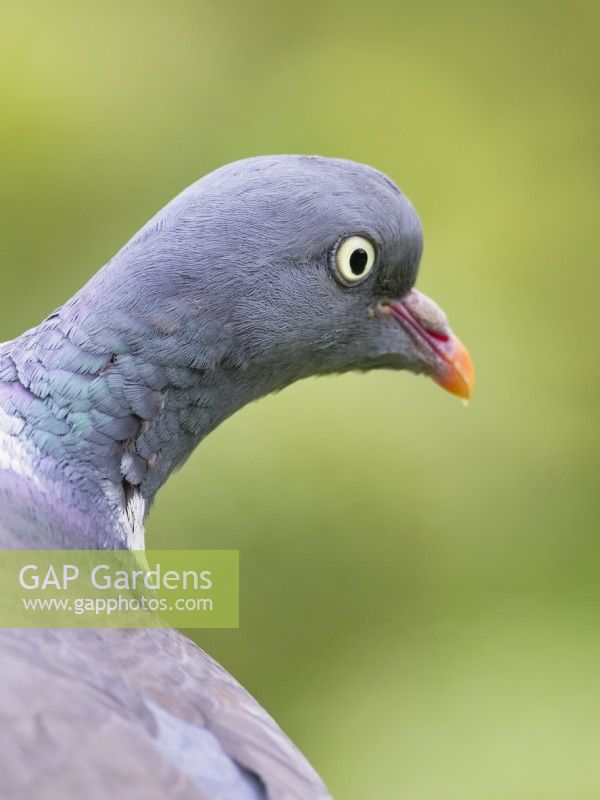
[263, 272]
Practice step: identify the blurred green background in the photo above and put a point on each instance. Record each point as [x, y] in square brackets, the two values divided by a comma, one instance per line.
[420, 593]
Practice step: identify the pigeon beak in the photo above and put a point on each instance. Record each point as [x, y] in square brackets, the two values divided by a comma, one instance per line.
[445, 357]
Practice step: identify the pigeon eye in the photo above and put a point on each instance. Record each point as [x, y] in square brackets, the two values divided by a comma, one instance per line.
[354, 260]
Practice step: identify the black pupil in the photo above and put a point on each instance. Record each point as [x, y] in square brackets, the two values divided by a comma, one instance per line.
[358, 261]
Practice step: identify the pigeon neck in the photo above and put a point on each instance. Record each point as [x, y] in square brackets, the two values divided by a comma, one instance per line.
[99, 415]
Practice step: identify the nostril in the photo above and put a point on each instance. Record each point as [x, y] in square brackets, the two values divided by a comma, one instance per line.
[428, 313]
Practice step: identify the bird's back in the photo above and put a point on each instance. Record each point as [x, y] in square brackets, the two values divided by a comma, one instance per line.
[136, 714]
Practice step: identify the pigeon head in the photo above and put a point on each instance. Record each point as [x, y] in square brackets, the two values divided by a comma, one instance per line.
[287, 267]
[263, 272]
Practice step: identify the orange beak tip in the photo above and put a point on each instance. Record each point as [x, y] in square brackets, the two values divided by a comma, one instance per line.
[458, 373]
